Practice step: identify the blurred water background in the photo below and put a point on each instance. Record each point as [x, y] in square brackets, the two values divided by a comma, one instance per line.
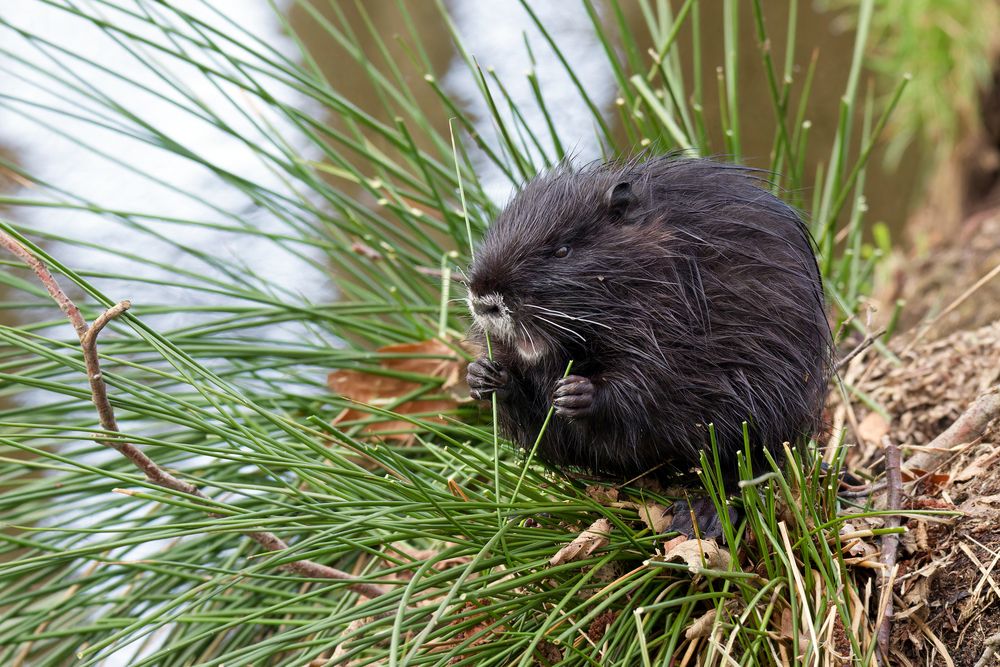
[52, 132]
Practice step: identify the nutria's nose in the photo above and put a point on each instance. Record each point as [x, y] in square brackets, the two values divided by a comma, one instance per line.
[486, 307]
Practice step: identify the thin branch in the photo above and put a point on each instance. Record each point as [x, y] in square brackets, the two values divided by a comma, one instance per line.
[868, 341]
[98, 388]
[48, 281]
[967, 428]
[106, 414]
[990, 275]
[890, 541]
[990, 646]
[861, 491]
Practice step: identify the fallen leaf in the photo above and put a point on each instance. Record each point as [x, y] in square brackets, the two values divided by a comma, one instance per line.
[586, 543]
[858, 548]
[787, 628]
[854, 544]
[603, 495]
[924, 502]
[699, 554]
[930, 482]
[656, 517]
[915, 539]
[873, 427]
[671, 543]
[702, 626]
[916, 597]
[977, 467]
[431, 358]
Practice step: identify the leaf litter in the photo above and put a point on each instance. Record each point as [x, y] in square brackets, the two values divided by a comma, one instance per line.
[948, 603]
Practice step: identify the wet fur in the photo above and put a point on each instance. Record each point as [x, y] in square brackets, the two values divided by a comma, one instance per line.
[690, 296]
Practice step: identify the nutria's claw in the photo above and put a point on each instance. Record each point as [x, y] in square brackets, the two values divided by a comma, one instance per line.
[573, 397]
[486, 377]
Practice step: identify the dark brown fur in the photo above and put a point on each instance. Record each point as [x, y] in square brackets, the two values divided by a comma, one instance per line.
[688, 295]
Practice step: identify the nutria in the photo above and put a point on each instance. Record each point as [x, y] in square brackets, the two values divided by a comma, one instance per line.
[685, 294]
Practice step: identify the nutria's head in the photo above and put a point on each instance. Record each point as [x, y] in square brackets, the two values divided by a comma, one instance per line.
[558, 266]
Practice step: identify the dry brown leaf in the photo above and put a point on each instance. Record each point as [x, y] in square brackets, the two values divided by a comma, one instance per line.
[858, 548]
[436, 360]
[873, 427]
[656, 517]
[853, 540]
[915, 540]
[930, 483]
[699, 554]
[603, 495]
[787, 628]
[548, 653]
[917, 595]
[702, 626]
[673, 542]
[586, 543]
[977, 467]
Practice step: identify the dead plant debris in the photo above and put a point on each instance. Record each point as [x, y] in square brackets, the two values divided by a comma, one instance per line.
[947, 588]
[377, 388]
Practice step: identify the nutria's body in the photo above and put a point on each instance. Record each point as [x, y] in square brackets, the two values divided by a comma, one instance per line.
[684, 293]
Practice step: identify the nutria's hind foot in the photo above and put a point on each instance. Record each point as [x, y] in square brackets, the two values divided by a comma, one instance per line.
[486, 377]
[700, 512]
[573, 397]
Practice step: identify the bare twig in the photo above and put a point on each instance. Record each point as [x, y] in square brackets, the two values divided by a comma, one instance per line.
[990, 644]
[868, 341]
[48, 282]
[990, 275]
[860, 491]
[890, 541]
[969, 426]
[106, 414]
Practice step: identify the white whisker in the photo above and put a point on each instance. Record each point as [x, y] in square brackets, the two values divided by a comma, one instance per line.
[558, 313]
[559, 326]
[528, 334]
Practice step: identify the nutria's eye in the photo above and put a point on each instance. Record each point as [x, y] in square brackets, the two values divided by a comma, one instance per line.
[562, 252]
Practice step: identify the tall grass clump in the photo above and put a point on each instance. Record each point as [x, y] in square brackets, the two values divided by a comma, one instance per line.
[220, 376]
[954, 45]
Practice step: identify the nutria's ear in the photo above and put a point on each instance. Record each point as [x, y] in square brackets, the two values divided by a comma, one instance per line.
[619, 199]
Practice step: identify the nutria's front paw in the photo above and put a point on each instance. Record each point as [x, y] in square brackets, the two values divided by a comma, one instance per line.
[486, 377]
[573, 397]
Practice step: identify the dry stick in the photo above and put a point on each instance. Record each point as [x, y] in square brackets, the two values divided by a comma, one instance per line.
[965, 429]
[106, 414]
[990, 275]
[860, 491]
[868, 341]
[893, 501]
[991, 644]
